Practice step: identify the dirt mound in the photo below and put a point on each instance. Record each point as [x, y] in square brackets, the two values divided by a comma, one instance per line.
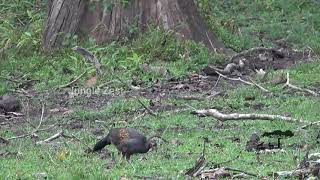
[258, 58]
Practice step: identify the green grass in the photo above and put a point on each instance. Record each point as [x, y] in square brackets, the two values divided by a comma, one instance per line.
[238, 23]
[170, 159]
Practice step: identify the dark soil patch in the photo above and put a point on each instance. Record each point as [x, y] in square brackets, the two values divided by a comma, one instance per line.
[273, 58]
[251, 60]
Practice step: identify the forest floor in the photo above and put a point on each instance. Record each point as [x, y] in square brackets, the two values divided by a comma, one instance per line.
[162, 101]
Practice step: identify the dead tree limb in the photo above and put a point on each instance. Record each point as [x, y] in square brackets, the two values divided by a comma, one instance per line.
[73, 81]
[290, 174]
[235, 116]
[241, 171]
[32, 133]
[298, 88]
[147, 108]
[190, 98]
[53, 137]
[243, 81]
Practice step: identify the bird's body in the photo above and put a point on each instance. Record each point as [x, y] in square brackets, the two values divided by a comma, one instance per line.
[128, 141]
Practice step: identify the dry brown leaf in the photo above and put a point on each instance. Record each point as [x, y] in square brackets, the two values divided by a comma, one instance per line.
[91, 81]
[215, 174]
[60, 109]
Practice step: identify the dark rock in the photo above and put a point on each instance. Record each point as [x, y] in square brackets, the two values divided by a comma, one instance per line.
[9, 103]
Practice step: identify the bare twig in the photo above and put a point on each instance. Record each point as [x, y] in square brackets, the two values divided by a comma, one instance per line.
[215, 85]
[21, 136]
[147, 108]
[238, 170]
[293, 173]
[259, 86]
[241, 80]
[200, 163]
[73, 81]
[317, 123]
[235, 116]
[32, 133]
[53, 137]
[193, 171]
[190, 98]
[71, 137]
[298, 88]
[9, 79]
[227, 161]
[41, 119]
[211, 44]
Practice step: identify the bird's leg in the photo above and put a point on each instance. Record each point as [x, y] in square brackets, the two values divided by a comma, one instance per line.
[127, 156]
[122, 157]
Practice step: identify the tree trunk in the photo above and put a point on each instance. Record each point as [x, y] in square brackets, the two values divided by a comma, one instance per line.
[63, 16]
[106, 22]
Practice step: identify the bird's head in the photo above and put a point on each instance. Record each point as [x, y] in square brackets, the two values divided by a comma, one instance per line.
[151, 143]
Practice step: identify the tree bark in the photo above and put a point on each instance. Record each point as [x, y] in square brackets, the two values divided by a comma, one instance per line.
[94, 19]
[63, 16]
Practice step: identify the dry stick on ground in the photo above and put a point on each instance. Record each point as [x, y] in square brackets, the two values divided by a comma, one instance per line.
[53, 137]
[9, 79]
[294, 173]
[238, 170]
[317, 123]
[225, 162]
[211, 44]
[73, 81]
[34, 131]
[215, 85]
[190, 98]
[199, 165]
[147, 108]
[298, 88]
[235, 116]
[246, 82]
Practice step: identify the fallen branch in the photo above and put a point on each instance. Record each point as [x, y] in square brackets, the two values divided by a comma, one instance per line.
[198, 166]
[293, 173]
[211, 44]
[8, 153]
[241, 171]
[243, 81]
[147, 108]
[73, 81]
[317, 123]
[90, 57]
[32, 133]
[9, 79]
[235, 116]
[53, 137]
[215, 84]
[190, 98]
[200, 163]
[298, 88]
[259, 86]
